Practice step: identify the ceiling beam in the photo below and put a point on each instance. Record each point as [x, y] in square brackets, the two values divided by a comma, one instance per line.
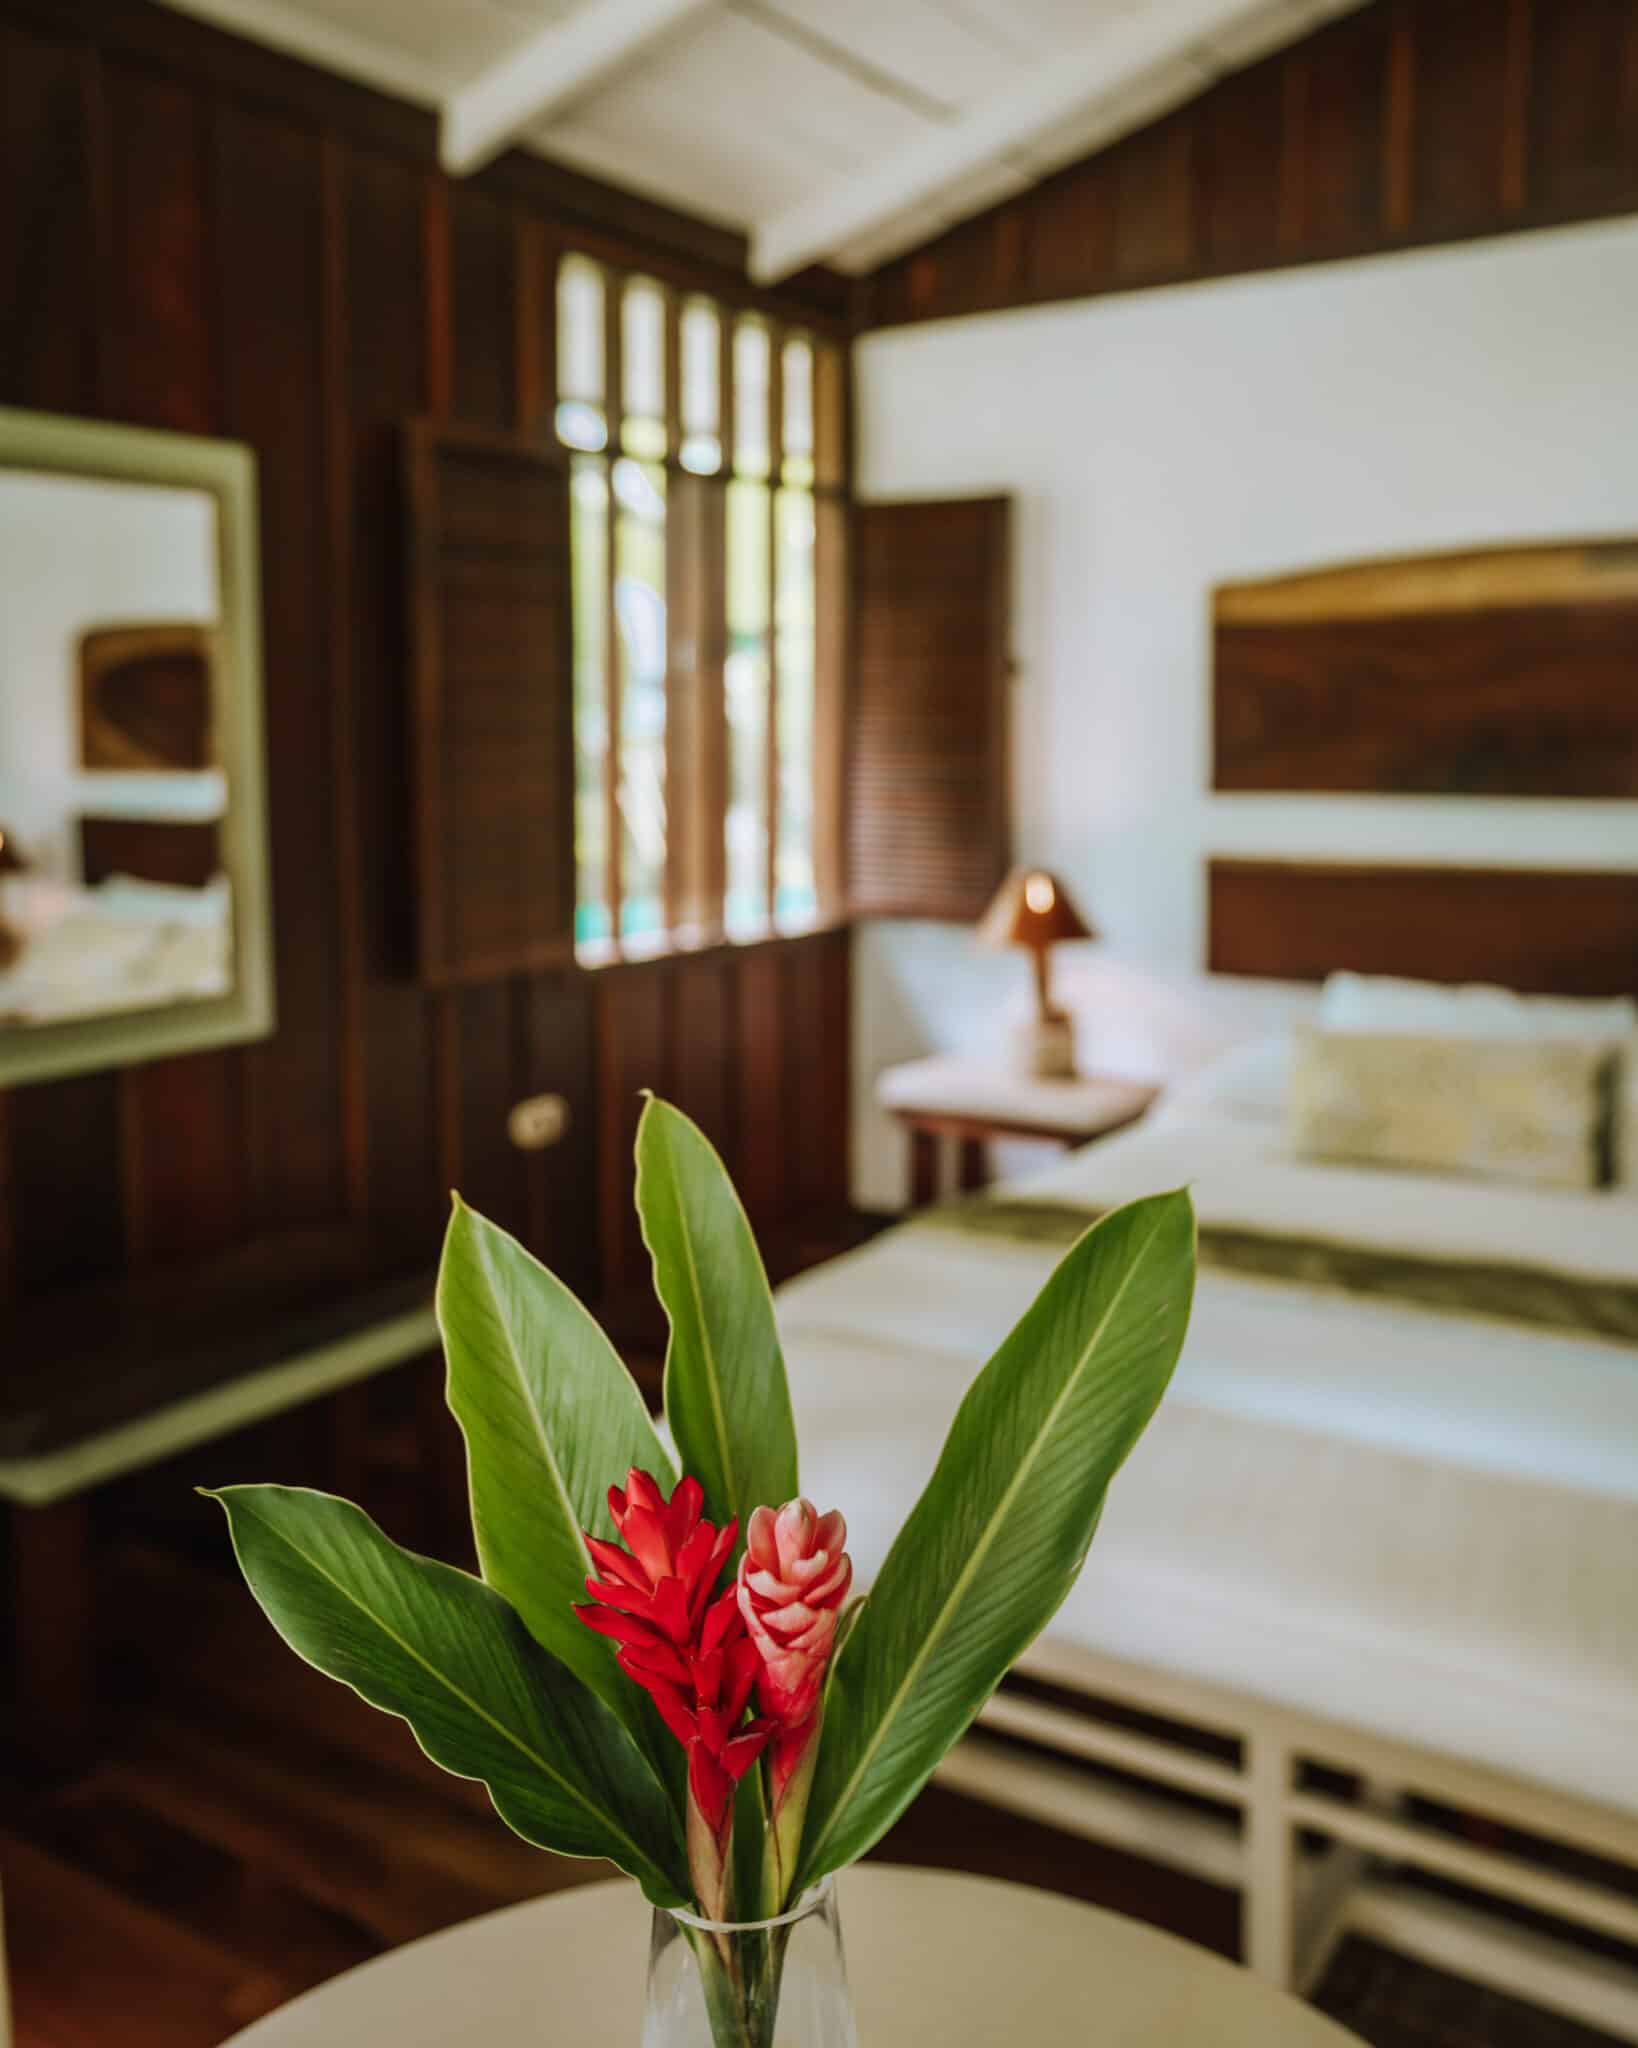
[557, 64]
[1157, 52]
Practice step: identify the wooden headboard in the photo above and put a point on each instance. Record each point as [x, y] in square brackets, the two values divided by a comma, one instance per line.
[1504, 673]
[1546, 931]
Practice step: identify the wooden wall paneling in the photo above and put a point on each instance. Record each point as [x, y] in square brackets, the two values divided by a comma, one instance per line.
[161, 367]
[1526, 928]
[818, 1029]
[705, 1045]
[1460, 115]
[48, 284]
[764, 1092]
[560, 1184]
[1399, 97]
[1405, 122]
[633, 1053]
[341, 602]
[1584, 110]
[1337, 150]
[68, 1215]
[275, 299]
[1237, 168]
[185, 1118]
[1155, 212]
[534, 264]
[488, 1086]
[66, 1227]
[385, 382]
[1070, 244]
[483, 308]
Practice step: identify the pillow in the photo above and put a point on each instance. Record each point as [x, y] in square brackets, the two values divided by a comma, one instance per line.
[1249, 1080]
[1533, 1110]
[1384, 1002]
[1624, 1128]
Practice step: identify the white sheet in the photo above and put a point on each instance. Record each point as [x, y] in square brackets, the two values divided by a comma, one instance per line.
[1361, 1509]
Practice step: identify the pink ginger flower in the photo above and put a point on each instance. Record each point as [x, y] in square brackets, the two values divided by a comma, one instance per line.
[793, 1580]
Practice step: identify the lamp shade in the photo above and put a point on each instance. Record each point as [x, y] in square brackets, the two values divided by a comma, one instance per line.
[11, 855]
[1032, 908]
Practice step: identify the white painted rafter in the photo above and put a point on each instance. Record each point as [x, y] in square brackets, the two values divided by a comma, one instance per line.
[1124, 74]
[557, 64]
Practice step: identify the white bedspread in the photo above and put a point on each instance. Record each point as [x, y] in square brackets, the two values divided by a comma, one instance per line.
[1416, 1523]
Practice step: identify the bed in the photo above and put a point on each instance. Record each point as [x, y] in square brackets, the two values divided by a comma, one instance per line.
[1379, 1548]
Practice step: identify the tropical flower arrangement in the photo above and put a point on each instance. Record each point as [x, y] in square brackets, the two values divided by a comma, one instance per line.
[664, 1662]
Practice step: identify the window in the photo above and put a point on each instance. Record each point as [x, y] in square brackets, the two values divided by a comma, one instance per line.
[706, 450]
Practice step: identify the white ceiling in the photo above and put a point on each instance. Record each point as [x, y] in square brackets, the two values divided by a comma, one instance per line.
[840, 131]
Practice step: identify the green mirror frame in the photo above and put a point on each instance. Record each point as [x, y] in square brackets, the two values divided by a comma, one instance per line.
[226, 470]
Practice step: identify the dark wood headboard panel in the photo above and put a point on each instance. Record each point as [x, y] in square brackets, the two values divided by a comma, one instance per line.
[1503, 673]
[1540, 930]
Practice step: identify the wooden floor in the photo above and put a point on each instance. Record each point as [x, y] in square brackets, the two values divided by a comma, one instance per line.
[250, 1829]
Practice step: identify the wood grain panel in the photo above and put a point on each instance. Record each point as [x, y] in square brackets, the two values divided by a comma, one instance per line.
[161, 367]
[1337, 151]
[488, 543]
[1070, 243]
[633, 1048]
[483, 299]
[48, 311]
[1238, 167]
[1543, 932]
[267, 180]
[763, 1087]
[199, 233]
[1154, 203]
[384, 383]
[560, 1184]
[1506, 673]
[705, 1035]
[1461, 112]
[1406, 122]
[488, 1065]
[929, 829]
[1584, 103]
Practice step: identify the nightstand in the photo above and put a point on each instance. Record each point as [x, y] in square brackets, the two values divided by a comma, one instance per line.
[974, 1102]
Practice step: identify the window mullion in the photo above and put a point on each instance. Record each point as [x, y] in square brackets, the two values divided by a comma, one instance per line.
[614, 412]
[776, 456]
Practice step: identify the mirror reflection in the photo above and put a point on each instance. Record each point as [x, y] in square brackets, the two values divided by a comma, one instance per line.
[114, 883]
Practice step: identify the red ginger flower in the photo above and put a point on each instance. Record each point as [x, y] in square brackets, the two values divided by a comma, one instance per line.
[689, 1652]
[793, 1580]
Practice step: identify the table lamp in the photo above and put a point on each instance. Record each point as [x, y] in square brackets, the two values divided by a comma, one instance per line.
[1032, 908]
[11, 863]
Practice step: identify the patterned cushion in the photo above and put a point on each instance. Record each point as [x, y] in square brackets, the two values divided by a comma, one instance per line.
[1535, 1110]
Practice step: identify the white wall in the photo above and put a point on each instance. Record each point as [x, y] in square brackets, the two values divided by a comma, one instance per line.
[78, 553]
[1159, 444]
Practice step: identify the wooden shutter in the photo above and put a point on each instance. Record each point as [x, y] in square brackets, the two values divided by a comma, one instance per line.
[929, 829]
[493, 733]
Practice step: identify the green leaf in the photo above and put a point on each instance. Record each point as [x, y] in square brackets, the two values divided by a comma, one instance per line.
[445, 1653]
[552, 1420]
[998, 1537]
[726, 1396]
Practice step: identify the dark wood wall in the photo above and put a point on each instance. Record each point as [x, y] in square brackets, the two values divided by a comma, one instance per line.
[197, 234]
[1410, 122]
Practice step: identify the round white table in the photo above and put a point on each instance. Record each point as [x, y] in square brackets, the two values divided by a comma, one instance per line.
[932, 1958]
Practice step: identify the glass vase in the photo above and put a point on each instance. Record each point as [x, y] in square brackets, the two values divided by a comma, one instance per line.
[778, 1983]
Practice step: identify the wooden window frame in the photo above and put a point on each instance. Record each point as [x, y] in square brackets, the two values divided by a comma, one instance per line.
[696, 753]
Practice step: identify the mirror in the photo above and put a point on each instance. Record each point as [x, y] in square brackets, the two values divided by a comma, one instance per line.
[133, 844]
